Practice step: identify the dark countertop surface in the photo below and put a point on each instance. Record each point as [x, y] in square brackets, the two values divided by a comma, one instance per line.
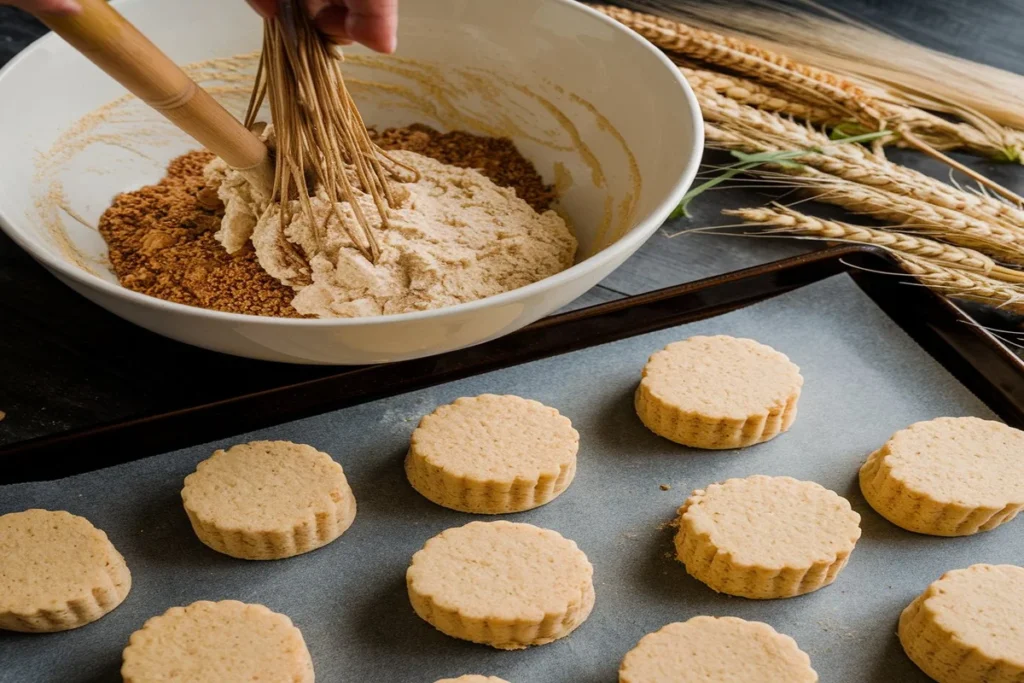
[66, 364]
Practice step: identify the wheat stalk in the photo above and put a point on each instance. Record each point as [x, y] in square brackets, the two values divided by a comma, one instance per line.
[912, 214]
[995, 240]
[964, 284]
[735, 126]
[747, 111]
[938, 132]
[705, 46]
[802, 79]
[754, 94]
[825, 87]
[872, 57]
[845, 175]
[947, 135]
[786, 220]
[958, 272]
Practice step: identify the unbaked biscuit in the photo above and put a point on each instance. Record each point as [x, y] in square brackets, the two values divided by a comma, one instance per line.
[501, 584]
[492, 455]
[217, 642]
[717, 650]
[718, 392]
[268, 500]
[57, 572]
[766, 537]
[473, 678]
[953, 476]
[967, 626]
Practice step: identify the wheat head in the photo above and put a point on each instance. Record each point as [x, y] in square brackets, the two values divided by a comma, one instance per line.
[950, 270]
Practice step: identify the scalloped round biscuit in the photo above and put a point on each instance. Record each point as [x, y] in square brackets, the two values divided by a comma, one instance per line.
[57, 572]
[501, 584]
[953, 476]
[766, 537]
[217, 642]
[718, 392]
[967, 626]
[717, 650]
[268, 500]
[492, 455]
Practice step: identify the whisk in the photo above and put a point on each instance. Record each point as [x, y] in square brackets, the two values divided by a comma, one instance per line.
[321, 139]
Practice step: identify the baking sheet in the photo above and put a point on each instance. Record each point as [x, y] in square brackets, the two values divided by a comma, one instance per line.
[864, 380]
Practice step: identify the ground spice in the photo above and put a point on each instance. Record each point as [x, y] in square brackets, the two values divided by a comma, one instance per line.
[161, 237]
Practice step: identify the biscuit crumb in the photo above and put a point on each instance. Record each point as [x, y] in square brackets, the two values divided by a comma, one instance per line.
[670, 524]
[665, 487]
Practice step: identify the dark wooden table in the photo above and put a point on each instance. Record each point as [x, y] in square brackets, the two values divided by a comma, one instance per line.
[67, 364]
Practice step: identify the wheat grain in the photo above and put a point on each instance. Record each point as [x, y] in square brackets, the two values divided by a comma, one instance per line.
[722, 139]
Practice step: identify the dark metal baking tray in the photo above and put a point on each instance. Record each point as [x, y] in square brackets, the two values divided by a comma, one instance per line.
[865, 378]
[972, 354]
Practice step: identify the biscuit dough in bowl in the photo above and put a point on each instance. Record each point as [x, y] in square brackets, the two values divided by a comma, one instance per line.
[455, 237]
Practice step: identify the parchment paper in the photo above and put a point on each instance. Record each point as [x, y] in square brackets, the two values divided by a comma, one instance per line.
[865, 379]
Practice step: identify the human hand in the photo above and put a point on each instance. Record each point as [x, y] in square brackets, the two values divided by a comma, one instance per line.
[45, 6]
[374, 23]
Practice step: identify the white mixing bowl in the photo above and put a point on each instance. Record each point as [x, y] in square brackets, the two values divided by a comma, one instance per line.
[599, 111]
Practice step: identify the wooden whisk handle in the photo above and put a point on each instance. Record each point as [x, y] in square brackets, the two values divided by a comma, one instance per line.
[112, 43]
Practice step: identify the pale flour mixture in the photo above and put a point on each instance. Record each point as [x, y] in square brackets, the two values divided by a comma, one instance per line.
[455, 237]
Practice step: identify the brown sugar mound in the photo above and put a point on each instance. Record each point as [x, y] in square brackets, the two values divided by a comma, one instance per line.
[161, 237]
[161, 242]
